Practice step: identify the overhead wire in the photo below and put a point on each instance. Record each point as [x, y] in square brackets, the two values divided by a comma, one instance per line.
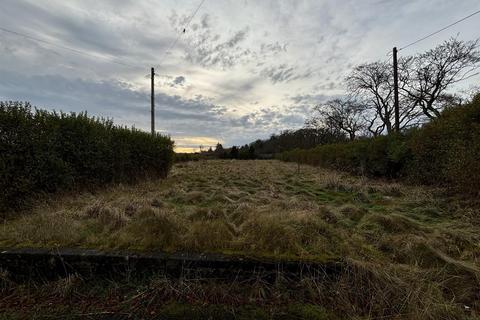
[73, 50]
[97, 56]
[174, 43]
[469, 76]
[439, 30]
[115, 60]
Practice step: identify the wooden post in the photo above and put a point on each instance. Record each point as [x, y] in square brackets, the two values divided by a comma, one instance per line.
[395, 90]
[152, 100]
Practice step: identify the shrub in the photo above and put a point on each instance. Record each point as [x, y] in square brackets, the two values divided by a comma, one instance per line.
[43, 151]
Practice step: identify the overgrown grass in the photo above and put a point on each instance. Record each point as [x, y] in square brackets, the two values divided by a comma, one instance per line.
[410, 251]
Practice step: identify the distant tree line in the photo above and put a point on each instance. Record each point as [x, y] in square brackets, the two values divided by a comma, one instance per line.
[245, 152]
[304, 138]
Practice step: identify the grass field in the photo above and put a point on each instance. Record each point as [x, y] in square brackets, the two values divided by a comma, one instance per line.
[412, 252]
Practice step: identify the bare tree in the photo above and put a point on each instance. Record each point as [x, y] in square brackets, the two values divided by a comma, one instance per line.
[373, 84]
[423, 83]
[339, 115]
[427, 76]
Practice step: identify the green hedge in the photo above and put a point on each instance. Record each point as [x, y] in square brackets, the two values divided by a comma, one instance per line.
[379, 157]
[43, 151]
[186, 157]
[447, 150]
[444, 152]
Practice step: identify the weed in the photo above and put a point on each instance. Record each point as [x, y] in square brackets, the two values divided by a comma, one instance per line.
[66, 287]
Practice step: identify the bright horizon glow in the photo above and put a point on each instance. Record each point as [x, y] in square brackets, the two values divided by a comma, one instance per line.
[193, 144]
[186, 150]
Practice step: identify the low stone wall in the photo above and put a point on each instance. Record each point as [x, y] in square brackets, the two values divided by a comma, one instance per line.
[53, 263]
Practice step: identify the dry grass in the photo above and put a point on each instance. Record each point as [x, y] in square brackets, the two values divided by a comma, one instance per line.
[410, 251]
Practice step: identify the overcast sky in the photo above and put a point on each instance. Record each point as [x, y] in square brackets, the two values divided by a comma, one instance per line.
[242, 70]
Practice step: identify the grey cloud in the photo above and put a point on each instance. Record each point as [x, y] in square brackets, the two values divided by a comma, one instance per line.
[271, 118]
[311, 98]
[303, 104]
[115, 37]
[85, 31]
[103, 98]
[329, 85]
[128, 106]
[273, 48]
[284, 73]
[281, 73]
[205, 21]
[208, 50]
[178, 81]
[238, 37]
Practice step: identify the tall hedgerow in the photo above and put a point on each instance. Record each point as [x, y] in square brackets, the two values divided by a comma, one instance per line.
[43, 152]
[383, 156]
[447, 150]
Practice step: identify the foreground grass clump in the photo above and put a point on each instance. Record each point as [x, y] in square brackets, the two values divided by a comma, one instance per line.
[45, 152]
[408, 251]
[156, 297]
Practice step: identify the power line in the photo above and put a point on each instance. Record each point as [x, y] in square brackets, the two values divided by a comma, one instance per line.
[469, 76]
[174, 43]
[76, 51]
[440, 30]
[163, 57]
[96, 56]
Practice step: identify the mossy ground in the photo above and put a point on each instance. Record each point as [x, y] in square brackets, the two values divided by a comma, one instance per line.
[411, 250]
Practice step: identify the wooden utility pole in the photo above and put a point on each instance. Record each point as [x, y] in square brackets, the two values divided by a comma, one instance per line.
[395, 90]
[152, 100]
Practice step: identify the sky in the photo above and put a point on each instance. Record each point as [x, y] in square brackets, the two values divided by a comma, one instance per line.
[242, 69]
